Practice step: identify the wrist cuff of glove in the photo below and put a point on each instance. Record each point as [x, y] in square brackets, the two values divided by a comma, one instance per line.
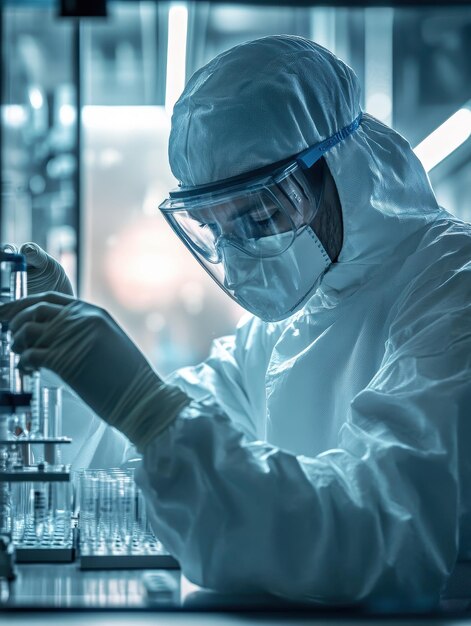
[149, 407]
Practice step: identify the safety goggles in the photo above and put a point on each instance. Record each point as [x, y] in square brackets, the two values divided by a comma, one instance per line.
[248, 213]
[245, 216]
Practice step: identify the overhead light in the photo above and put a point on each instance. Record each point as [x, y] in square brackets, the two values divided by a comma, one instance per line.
[445, 139]
[380, 105]
[35, 97]
[67, 115]
[14, 115]
[379, 30]
[176, 54]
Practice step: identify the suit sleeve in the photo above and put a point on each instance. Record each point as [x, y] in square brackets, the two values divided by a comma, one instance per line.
[233, 376]
[376, 518]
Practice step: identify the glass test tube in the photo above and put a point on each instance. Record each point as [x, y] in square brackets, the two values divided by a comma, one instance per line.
[5, 495]
[29, 383]
[18, 278]
[13, 286]
[6, 295]
[20, 511]
[5, 352]
[5, 510]
[40, 509]
[113, 515]
[59, 508]
[89, 507]
[51, 412]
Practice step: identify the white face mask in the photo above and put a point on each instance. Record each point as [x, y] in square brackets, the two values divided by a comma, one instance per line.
[274, 288]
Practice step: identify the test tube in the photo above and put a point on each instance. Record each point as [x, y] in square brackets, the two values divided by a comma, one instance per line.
[125, 509]
[18, 279]
[14, 287]
[7, 264]
[59, 510]
[51, 421]
[5, 510]
[106, 499]
[5, 496]
[21, 512]
[51, 412]
[141, 531]
[5, 352]
[30, 383]
[89, 507]
[40, 510]
[9, 428]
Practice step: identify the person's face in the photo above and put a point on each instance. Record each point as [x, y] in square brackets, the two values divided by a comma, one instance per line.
[262, 215]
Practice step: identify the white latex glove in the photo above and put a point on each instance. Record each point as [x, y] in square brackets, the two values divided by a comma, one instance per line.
[94, 356]
[44, 272]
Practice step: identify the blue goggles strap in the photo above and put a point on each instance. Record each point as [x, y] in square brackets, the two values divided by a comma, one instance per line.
[307, 158]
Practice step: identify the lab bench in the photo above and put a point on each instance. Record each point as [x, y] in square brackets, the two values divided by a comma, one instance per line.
[66, 586]
[63, 593]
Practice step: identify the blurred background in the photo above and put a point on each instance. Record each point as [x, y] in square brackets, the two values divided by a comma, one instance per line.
[85, 118]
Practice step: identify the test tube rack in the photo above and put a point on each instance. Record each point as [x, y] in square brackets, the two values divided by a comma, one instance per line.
[20, 398]
[49, 471]
[58, 543]
[149, 554]
[117, 535]
[49, 548]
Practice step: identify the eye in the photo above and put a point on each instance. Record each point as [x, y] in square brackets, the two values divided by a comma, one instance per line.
[268, 225]
[213, 228]
[265, 217]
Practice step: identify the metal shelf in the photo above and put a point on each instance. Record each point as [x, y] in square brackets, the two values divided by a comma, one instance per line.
[33, 475]
[43, 440]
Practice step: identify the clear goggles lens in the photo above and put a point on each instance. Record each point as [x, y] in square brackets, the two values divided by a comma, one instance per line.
[249, 217]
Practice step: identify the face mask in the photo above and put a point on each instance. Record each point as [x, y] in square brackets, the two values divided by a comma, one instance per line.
[274, 288]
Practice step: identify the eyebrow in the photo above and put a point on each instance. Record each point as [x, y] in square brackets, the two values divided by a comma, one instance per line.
[235, 214]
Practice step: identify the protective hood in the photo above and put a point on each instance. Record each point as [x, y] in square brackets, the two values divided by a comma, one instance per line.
[266, 100]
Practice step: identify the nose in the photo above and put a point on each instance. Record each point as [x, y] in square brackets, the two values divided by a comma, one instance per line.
[221, 246]
[232, 278]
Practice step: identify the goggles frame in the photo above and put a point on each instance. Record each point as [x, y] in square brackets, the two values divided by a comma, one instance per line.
[227, 239]
[188, 199]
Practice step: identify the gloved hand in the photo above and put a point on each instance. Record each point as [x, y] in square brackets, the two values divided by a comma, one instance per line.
[44, 272]
[94, 356]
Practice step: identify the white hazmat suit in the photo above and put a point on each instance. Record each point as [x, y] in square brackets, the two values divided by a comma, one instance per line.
[325, 456]
[329, 460]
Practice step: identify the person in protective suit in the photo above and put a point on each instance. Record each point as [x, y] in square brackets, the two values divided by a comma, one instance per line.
[321, 453]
